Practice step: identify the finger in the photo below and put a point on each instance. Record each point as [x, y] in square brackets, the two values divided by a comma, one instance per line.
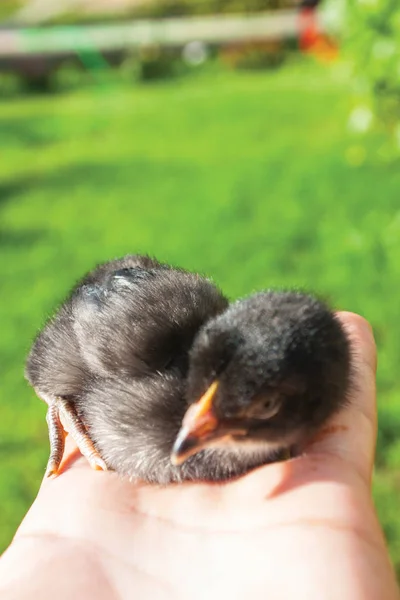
[351, 434]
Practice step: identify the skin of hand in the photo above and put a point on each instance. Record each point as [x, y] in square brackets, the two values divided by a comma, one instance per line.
[301, 529]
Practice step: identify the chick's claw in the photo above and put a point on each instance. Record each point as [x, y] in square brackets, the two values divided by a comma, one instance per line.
[62, 411]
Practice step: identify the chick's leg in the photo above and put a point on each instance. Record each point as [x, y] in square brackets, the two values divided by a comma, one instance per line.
[57, 439]
[60, 408]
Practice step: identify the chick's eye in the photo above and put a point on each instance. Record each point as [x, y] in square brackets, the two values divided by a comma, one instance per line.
[267, 407]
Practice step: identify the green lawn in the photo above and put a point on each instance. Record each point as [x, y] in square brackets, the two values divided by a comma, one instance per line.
[242, 176]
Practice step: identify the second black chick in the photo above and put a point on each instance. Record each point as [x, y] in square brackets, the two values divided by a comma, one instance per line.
[268, 373]
[113, 362]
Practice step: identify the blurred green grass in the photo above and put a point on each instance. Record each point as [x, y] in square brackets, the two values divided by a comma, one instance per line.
[241, 176]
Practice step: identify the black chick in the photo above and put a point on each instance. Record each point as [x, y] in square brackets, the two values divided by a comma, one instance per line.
[113, 362]
[269, 372]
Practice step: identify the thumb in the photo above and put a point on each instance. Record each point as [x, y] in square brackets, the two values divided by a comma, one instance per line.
[351, 434]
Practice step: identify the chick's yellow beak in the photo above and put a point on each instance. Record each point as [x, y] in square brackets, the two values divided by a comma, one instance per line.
[198, 427]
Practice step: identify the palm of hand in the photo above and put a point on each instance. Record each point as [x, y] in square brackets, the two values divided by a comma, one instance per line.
[301, 529]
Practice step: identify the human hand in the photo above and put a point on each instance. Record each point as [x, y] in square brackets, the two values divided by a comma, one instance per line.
[305, 528]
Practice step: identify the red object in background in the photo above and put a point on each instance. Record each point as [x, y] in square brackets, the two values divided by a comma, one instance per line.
[308, 28]
[311, 39]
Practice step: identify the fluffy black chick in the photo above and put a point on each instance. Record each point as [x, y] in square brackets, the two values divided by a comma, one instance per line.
[269, 372]
[112, 363]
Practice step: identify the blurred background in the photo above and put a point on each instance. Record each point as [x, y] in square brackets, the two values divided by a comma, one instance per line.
[257, 141]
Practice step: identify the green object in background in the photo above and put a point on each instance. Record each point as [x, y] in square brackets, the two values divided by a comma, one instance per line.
[248, 177]
[373, 42]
